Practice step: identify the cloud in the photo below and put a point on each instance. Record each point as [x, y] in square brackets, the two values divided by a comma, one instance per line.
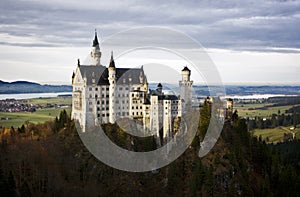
[256, 26]
[220, 24]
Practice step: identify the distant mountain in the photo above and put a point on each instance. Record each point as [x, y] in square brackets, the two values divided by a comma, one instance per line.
[250, 90]
[18, 87]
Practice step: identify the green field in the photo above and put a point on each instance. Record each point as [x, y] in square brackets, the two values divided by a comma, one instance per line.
[276, 134]
[16, 119]
[54, 100]
[243, 110]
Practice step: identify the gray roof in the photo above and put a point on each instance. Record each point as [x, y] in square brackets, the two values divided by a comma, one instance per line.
[186, 69]
[123, 75]
[163, 96]
[167, 97]
[91, 72]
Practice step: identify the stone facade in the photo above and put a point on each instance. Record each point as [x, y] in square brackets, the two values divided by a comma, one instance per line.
[105, 94]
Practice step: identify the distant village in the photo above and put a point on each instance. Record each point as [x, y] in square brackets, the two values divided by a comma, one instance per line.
[22, 105]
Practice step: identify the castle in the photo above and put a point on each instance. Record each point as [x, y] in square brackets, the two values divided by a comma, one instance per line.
[105, 94]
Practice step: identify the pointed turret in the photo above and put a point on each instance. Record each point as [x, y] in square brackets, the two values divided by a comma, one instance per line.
[95, 41]
[73, 76]
[112, 61]
[95, 53]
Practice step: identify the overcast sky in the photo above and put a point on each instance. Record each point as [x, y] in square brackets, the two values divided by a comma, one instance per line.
[255, 42]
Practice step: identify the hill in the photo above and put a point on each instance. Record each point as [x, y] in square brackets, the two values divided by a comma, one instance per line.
[18, 87]
[49, 159]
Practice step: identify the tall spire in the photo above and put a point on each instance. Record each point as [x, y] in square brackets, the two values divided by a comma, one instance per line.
[95, 41]
[112, 61]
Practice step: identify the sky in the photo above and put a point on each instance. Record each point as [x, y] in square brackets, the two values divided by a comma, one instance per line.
[249, 41]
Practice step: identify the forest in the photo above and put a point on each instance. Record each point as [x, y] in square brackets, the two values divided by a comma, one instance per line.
[49, 159]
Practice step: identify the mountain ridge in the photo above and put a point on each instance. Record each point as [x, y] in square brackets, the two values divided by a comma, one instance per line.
[19, 87]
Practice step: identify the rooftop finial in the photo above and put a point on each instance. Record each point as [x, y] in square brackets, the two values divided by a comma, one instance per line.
[78, 62]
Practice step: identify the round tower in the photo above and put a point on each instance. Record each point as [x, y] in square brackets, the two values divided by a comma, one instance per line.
[95, 53]
[112, 85]
[186, 90]
[186, 73]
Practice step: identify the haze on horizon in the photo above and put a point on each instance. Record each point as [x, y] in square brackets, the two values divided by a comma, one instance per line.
[250, 42]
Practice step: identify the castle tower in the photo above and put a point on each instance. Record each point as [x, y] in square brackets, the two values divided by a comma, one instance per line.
[95, 53]
[112, 85]
[186, 90]
[159, 89]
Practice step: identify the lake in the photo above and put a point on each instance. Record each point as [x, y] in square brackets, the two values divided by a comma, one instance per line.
[256, 96]
[32, 95]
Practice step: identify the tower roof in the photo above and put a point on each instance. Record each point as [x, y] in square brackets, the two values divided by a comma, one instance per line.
[112, 61]
[159, 85]
[186, 69]
[95, 41]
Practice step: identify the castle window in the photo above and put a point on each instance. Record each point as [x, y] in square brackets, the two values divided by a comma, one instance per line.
[137, 107]
[107, 114]
[107, 96]
[141, 107]
[98, 115]
[106, 108]
[96, 89]
[120, 88]
[126, 95]
[107, 102]
[96, 96]
[133, 113]
[126, 88]
[98, 108]
[107, 89]
[98, 102]
[103, 89]
[102, 95]
[123, 113]
[141, 113]
[103, 115]
[90, 96]
[132, 95]
[132, 107]
[90, 109]
[123, 102]
[90, 89]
